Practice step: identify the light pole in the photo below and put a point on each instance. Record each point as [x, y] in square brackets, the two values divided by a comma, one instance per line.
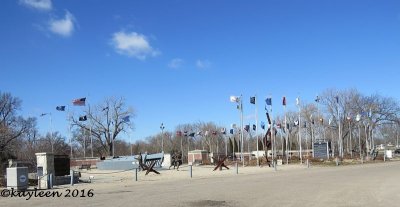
[162, 137]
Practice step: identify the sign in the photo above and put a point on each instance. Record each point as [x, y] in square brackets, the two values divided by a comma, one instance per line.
[22, 178]
[39, 171]
[321, 150]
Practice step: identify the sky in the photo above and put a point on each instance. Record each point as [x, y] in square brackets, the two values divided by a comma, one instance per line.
[178, 62]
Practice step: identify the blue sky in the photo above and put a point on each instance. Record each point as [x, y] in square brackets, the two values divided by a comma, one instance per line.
[179, 61]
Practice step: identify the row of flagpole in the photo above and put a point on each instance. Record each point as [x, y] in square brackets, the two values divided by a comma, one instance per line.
[81, 102]
[253, 100]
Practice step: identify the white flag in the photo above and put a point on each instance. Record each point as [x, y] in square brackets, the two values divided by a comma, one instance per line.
[297, 101]
[235, 99]
[358, 117]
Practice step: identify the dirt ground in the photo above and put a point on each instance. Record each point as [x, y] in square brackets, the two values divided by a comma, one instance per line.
[293, 185]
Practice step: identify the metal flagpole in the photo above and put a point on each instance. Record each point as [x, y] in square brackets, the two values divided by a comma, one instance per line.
[287, 133]
[69, 130]
[241, 127]
[255, 104]
[130, 140]
[301, 155]
[351, 148]
[51, 133]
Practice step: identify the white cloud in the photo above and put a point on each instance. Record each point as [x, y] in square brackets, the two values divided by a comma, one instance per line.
[133, 45]
[175, 63]
[203, 64]
[43, 5]
[63, 27]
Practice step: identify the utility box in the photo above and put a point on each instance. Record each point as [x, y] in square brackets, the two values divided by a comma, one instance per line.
[45, 169]
[17, 178]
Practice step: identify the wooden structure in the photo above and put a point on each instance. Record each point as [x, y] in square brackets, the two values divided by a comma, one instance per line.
[220, 163]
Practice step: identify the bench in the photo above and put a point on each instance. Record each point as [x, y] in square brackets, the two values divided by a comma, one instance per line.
[85, 166]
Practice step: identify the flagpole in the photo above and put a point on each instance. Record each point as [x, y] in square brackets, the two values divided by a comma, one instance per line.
[272, 133]
[130, 139]
[301, 156]
[241, 122]
[256, 114]
[69, 130]
[51, 133]
[287, 133]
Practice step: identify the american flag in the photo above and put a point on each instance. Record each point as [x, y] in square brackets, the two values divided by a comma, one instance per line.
[79, 102]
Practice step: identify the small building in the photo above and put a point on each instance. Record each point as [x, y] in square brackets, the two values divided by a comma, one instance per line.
[198, 156]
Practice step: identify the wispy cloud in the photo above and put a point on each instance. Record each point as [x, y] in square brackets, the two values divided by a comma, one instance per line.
[175, 63]
[43, 5]
[133, 45]
[203, 64]
[64, 26]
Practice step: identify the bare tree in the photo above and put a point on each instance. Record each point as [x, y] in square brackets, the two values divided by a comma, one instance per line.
[12, 126]
[106, 121]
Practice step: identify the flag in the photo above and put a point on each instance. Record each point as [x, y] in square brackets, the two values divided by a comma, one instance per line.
[297, 101]
[268, 101]
[223, 130]
[253, 100]
[235, 99]
[358, 117]
[231, 131]
[126, 119]
[284, 101]
[79, 102]
[317, 99]
[254, 127]
[106, 108]
[82, 118]
[262, 125]
[247, 128]
[348, 117]
[178, 133]
[268, 118]
[60, 108]
[44, 114]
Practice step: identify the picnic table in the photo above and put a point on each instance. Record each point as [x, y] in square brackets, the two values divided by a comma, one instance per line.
[220, 162]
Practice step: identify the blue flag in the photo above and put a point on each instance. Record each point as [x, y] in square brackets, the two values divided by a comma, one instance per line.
[262, 125]
[60, 108]
[126, 119]
[268, 101]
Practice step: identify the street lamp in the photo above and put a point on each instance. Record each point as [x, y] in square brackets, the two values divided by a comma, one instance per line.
[162, 137]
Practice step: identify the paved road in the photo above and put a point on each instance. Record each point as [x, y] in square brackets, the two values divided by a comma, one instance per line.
[366, 185]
